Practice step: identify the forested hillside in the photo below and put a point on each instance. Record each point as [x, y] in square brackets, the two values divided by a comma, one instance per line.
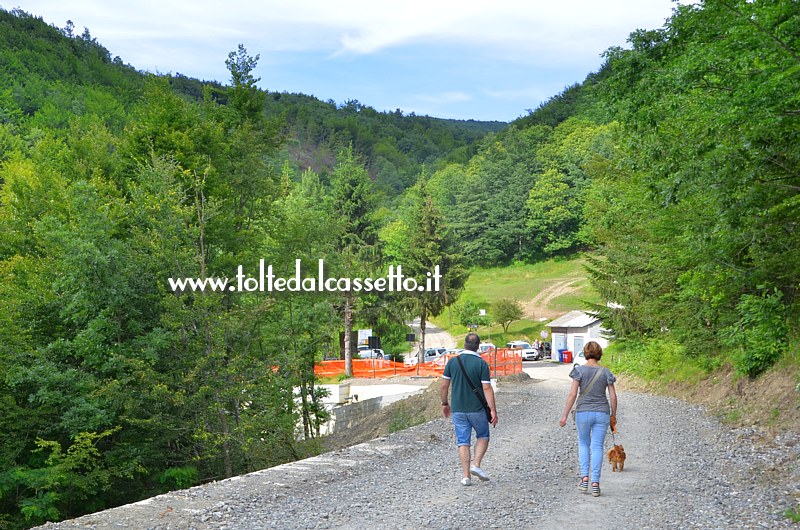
[112, 386]
[395, 146]
[675, 169]
[676, 166]
[698, 222]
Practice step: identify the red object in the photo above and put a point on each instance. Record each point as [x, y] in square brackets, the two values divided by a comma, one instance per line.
[567, 356]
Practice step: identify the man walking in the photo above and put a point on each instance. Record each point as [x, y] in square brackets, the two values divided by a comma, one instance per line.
[467, 409]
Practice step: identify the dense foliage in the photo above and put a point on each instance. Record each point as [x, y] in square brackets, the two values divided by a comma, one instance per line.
[115, 387]
[394, 146]
[697, 218]
[521, 197]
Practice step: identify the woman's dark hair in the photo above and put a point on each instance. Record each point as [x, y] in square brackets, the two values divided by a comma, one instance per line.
[592, 350]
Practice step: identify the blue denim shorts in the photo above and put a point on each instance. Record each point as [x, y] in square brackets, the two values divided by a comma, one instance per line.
[465, 422]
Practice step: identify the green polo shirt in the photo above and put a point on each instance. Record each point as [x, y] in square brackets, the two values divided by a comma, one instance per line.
[462, 399]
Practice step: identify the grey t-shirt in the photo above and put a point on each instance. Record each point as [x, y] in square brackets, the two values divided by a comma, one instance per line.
[595, 400]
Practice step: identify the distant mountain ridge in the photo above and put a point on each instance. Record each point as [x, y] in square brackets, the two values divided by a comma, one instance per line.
[41, 64]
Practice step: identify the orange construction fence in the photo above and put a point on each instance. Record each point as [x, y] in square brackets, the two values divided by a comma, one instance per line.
[504, 361]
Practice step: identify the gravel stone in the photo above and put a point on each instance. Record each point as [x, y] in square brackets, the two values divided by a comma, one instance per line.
[684, 471]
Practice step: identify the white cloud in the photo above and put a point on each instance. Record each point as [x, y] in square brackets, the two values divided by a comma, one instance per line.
[514, 40]
[368, 26]
[519, 28]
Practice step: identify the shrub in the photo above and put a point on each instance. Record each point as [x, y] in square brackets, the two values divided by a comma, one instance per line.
[760, 335]
[178, 478]
[647, 358]
[402, 419]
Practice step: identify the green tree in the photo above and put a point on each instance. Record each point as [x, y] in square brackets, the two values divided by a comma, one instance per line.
[113, 387]
[707, 178]
[556, 200]
[245, 97]
[486, 202]
[556, 213]
[468, 313]
[352, 205]
[301, 326]
[429, 248]
[505, 311]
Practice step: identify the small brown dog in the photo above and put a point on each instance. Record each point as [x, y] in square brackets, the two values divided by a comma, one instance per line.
[616, 455]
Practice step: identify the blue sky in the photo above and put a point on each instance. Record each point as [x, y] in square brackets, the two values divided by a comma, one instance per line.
[462, 59]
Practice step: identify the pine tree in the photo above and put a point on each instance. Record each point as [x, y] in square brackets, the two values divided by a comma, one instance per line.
[352, 207]
[430, 245]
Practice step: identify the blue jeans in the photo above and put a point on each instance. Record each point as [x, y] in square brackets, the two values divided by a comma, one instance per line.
[592, 427]
[465, 422]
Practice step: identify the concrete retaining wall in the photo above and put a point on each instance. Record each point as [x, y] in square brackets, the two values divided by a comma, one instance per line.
[354, 412]
[345, 416]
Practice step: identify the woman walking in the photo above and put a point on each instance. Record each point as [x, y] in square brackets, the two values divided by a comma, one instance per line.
[594, 412]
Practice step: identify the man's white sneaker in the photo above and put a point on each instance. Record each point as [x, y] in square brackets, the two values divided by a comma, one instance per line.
[478, 472]
[466, 481]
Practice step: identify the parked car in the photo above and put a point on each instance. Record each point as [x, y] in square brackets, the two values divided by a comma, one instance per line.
[433, 353]
[528, 352]
[486, 347]
[365, 352]
[579, 358]
[545, 349]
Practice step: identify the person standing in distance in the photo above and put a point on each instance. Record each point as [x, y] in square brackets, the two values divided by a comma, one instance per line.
[466, 409]
[594, 413]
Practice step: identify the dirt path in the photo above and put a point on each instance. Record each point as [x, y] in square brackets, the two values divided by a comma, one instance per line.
[538, 307]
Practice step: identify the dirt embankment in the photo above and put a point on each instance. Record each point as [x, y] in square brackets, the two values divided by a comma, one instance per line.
[769, 404]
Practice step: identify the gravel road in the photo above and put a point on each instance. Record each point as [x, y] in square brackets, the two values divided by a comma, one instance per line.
[434, 336]
[684, 470]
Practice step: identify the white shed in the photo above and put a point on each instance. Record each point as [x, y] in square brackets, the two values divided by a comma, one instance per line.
[574, 329]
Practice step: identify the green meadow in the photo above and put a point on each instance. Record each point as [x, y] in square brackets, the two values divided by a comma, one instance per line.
[545, 290]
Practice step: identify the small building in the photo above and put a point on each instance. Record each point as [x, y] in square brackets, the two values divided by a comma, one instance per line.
[574, 329]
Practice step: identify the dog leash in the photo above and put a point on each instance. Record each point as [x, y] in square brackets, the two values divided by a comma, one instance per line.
[613, 433]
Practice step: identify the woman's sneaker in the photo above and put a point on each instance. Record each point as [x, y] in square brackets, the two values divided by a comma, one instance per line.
[595, 490]
[584, 486]
[466, 481]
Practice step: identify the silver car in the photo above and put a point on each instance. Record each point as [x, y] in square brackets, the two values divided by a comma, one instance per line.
[432, 353]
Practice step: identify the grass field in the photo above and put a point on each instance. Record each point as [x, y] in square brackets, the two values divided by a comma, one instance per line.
[546, 290]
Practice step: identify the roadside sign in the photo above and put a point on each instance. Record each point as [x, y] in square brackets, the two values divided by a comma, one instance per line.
[363, 336]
